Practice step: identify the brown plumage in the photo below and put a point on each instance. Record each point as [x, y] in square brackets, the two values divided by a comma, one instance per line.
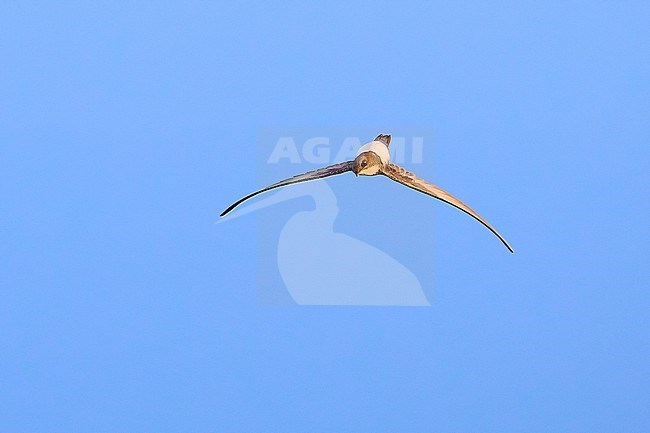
[369, 162]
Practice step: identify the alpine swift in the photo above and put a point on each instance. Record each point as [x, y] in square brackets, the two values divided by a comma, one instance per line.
[373, 159]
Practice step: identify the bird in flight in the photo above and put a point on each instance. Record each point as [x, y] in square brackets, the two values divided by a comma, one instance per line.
[372, 159]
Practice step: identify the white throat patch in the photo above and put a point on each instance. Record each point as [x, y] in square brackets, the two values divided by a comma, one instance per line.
[378, 148]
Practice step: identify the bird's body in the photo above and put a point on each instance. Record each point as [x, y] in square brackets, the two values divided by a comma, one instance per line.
[372, 159]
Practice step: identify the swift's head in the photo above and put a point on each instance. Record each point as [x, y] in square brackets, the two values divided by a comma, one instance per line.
[367, 164]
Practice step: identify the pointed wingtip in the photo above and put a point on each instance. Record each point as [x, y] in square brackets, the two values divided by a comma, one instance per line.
[503, 241]
[506, 244]
[231, 207]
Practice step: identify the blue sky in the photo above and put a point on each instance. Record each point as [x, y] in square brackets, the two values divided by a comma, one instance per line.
[126, 128]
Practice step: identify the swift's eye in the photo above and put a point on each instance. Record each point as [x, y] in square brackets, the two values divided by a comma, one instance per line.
[364, 163]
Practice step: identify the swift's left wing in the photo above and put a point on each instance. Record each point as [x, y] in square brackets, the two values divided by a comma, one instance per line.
[331, 170]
